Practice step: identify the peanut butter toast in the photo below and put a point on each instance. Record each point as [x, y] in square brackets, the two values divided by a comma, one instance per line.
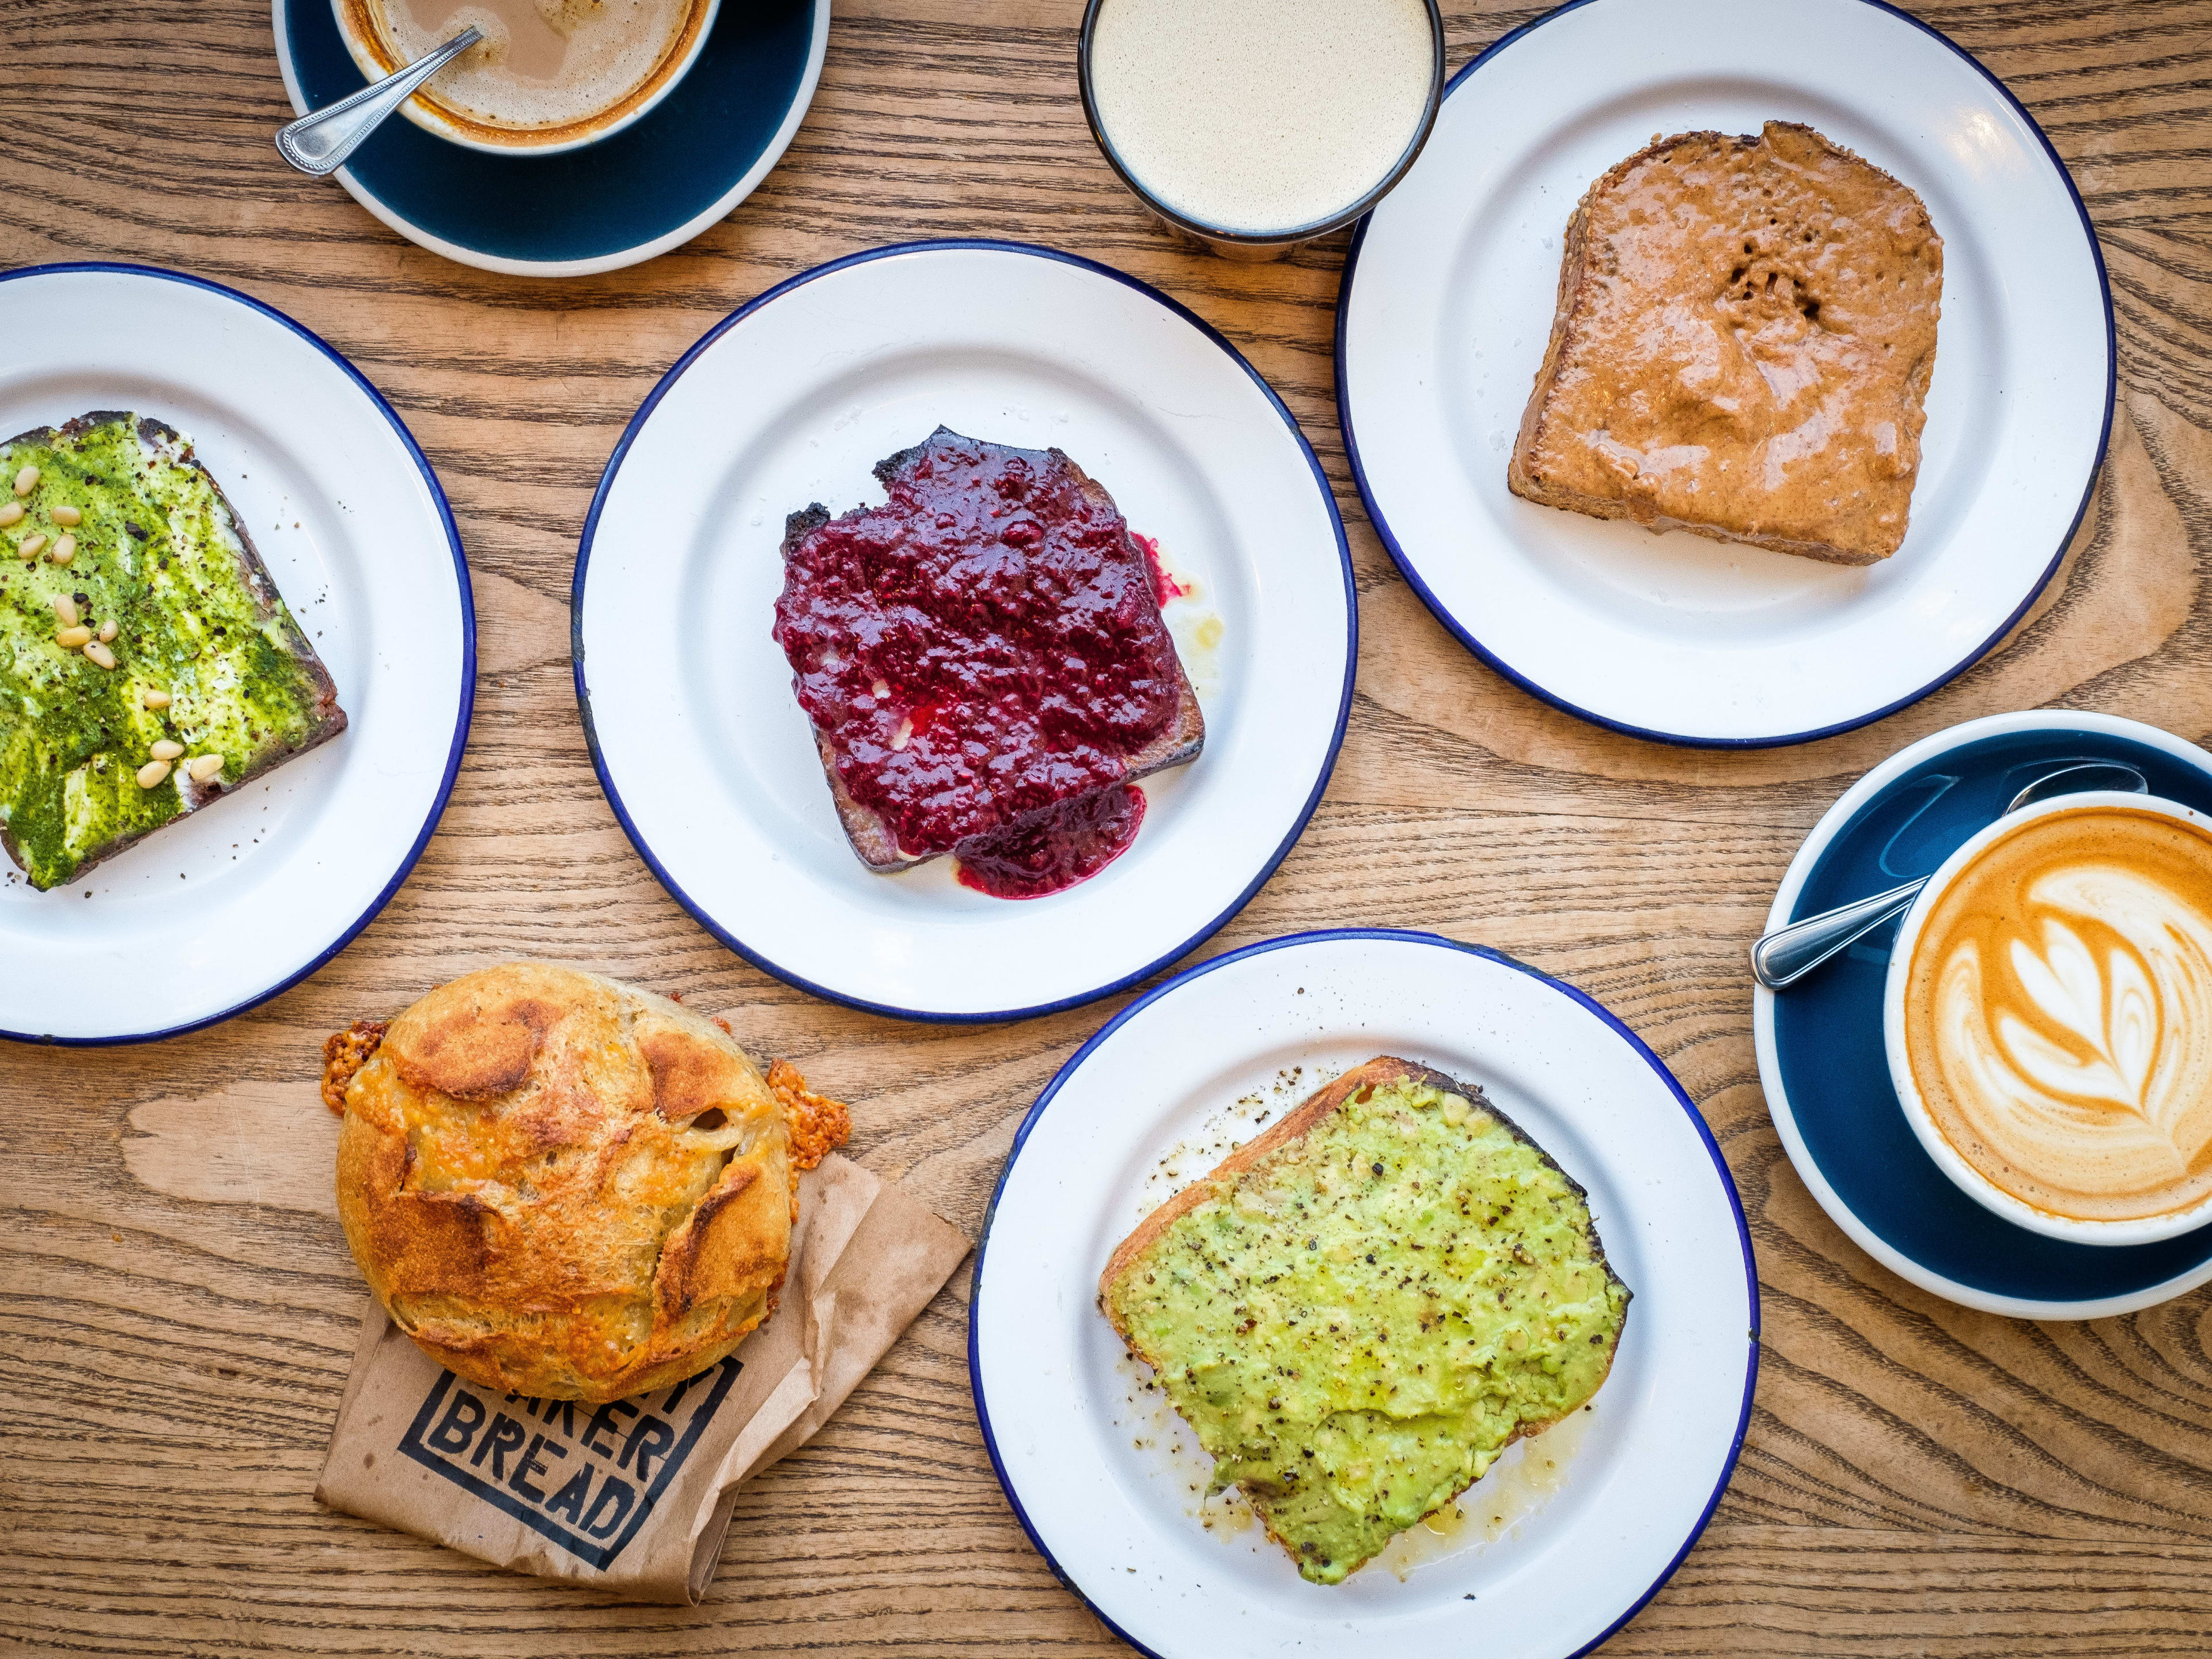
[1744, 336]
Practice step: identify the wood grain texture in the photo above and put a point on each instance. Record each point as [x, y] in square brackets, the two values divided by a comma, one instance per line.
[177, 1308]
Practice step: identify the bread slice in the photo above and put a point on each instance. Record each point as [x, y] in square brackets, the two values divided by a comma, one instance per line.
[157, 552]
[1355, 1311]
[1177, 743]
[1742, 344]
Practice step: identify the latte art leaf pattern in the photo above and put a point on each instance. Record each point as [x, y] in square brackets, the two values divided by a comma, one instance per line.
[2062, 1027]
[2110, 1010]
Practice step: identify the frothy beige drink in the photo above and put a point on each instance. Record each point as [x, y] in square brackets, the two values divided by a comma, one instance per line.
[2058, 1013]
[544, 65]
[1260, 115]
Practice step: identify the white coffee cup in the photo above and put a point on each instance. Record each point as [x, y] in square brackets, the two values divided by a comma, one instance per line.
[374, 54]
[1969, 1180]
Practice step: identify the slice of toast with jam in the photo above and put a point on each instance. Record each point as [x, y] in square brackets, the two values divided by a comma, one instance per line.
[984, 650]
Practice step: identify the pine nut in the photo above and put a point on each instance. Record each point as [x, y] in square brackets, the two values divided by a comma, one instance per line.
[100, 655]
[152, 773]
[73, 636]
[108, 630]
[68, 516]
[27, 481]
[65, 609]
[165, 748]
[205, 769]
[154, 697]
[64, 548]
[11, 513]
[33, 544]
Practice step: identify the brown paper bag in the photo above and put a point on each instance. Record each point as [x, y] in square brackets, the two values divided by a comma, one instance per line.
[635, 1496]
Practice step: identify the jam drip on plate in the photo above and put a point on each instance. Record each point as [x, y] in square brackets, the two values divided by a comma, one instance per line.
[1070, 842]
[984, 655]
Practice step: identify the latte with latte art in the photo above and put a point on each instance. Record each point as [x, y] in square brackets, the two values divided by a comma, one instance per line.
[2058, 1013]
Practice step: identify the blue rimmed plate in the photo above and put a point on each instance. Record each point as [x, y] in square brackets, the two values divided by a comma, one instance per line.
[213, 913]
[1573, 1531]
[700, 743]
[1446, 308]
[1821, 1057]
[650, 187]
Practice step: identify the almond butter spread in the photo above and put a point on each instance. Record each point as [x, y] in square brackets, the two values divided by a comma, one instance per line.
[1745, 333]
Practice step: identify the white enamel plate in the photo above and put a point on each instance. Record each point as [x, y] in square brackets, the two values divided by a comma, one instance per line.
[1572, 1531]
[1447, 305]
[232, 904]
[699, 741]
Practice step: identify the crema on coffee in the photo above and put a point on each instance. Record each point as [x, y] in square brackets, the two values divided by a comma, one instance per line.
[544, 64]
[2058, 1013]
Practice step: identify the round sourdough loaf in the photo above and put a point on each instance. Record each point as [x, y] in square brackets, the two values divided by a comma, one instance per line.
[563, 1187]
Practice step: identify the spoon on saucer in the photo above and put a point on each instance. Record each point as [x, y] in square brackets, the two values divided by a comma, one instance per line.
[1785, 955]
[318, 142]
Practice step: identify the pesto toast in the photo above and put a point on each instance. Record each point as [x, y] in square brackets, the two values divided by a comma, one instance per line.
[1360, 1309]
[148, 664]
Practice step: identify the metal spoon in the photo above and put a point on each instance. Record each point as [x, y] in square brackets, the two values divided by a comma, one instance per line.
[1788, 954]
[320, 142]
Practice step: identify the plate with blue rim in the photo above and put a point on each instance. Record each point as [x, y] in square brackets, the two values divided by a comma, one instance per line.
[1573, 1529]
[1821, 1057]
[1447, 305]
[650, 187]
[225, 907]
[700, 743]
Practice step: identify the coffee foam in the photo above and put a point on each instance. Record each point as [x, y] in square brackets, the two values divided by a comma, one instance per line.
[1260, 115]
[542, 63]
[2058, 1014]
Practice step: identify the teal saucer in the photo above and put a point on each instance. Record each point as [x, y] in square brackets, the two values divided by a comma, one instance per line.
[652, 186]
[1821, 1057]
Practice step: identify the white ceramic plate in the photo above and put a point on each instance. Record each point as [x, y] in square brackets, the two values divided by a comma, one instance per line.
[230, 905]
[699, 741]
[1119, 1520]
[1447, 305]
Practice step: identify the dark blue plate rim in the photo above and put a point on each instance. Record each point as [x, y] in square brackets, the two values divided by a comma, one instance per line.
[460, 736]
[1268, 867]
[636, 253]
[1395, 936]
[1847, 808]
[1497, 664]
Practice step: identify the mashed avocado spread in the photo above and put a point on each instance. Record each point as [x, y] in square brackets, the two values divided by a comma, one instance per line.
[1359, 1324]
[151, 547]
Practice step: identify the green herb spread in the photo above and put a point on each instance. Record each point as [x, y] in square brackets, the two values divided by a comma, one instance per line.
[158, 553]
[1360, 1323]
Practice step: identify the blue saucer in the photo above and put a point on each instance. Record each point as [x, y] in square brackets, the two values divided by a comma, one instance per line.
[1821, 1053]
[650, 187]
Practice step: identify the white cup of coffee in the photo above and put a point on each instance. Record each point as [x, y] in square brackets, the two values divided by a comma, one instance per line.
[2048, 1018]
[549, 76]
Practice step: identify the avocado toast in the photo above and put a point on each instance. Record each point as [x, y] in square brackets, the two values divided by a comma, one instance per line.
[148, 664]
[1360, 1309]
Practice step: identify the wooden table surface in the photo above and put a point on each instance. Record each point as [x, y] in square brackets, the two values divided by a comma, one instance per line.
[178, 1307]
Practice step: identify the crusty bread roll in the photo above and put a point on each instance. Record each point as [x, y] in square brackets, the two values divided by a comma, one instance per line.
[563, 1187]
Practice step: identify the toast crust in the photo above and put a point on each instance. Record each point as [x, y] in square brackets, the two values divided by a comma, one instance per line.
[1785, 410]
